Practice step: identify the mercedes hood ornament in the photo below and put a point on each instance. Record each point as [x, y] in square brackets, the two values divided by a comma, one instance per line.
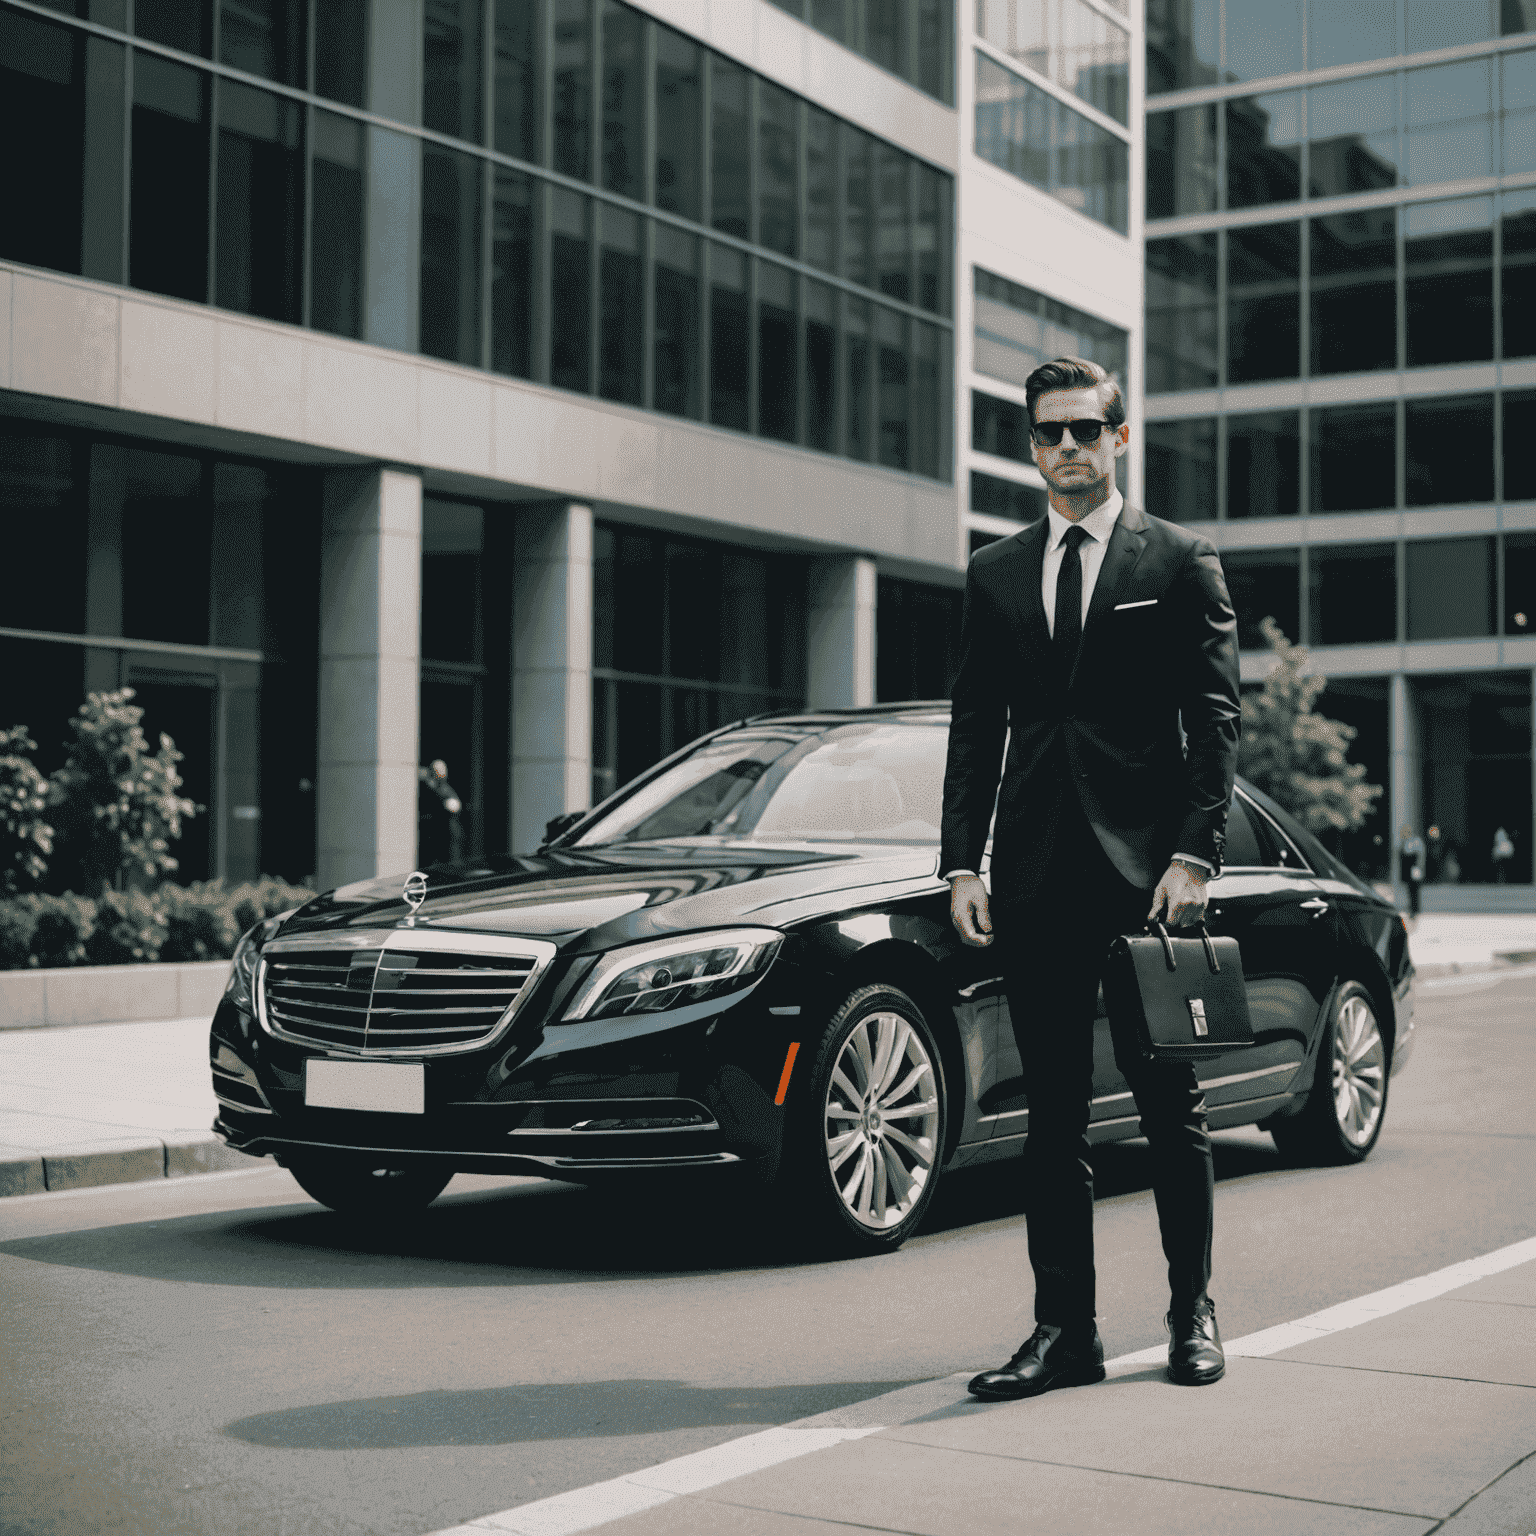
[415, 893]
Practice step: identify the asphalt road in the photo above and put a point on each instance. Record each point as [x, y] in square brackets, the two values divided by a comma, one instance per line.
[221, 1355]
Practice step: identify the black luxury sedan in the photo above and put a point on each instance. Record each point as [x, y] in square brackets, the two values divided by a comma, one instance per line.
[744, 957]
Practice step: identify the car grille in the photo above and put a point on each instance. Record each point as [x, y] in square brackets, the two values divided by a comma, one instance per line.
[400, 993]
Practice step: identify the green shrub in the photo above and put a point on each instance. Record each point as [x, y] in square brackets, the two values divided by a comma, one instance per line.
[130, 928]
[26, 839]
[200, 921]
[41, 930]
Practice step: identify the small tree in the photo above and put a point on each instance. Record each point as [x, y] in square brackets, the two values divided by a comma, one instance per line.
[26, 838]
[118, 810]
[1299, 758]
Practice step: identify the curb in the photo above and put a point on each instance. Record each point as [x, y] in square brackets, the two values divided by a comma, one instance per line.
[176, 1155]
[1503, 961]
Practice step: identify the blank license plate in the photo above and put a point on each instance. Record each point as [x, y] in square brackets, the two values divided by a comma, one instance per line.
[391, 1088]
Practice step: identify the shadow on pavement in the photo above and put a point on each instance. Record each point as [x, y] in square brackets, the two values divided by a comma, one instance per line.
[554, 1411]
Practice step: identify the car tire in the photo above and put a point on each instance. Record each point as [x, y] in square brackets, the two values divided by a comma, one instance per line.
[1347, 1104]
[353, 1186]
[864, 1133]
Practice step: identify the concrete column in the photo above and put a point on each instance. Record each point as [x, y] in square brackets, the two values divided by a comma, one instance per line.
[370, 652]
[1403, 789]
[551, 669]
[840, 641]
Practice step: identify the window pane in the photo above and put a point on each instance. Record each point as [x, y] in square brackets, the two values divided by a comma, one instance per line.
[570, 292]
[895, 222]
[1352, 136]
[917, 635]
[1353, 594]
[935, 39]
[336, 232]
[730, 137]
[1264, 584]
[1448, 252]
[168, 238]
[1354, 291]
[679, 124]
[450, 254]
[885, 34]
[452, 541]
[1263, 38]
[1520, 583]
[999, 427]
[858, 222]
[1354, 458]
[1263, 302]
[260, 204]
[572, 88]
[730, 344]
[831, 17]
[1519, 461]
[621, 289]
[778, 116]
[1517, 115]
[1350, 32]
[264, 37]
[895, 446]
[43, 511]
[1093, 59]
[777, 372]
[860, 362]
[677, 383]
[341, 51]
[1181, 469]
[1183, 38]
[1517, 211]
[929, 400]
[1181, 162]
[1181, 313]
[821, 173]
[997, 497]
[1452, 588]
[518, 83]
[179, 24]
[623, 100]
[512, 237]
[1448, 117]
[166, 548]
[1009, 341]
[1448, 448]
[451, 69]
[820, 366]
[1446, 23]
[1264, 149]
[931, 236]
[1264, 465]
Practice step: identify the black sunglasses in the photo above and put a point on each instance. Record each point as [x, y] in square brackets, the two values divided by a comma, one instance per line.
[1048, 433]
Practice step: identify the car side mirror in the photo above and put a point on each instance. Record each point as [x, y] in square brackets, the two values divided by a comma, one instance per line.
[558, 824]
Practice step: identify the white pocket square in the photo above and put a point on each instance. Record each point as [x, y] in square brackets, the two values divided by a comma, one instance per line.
[1146, 602]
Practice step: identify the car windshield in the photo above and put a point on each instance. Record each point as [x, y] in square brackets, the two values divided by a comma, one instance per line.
[875, 781]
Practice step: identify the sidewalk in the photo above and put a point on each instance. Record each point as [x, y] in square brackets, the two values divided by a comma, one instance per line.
[1449, 943]
[1420, 1420]
[107, 1104]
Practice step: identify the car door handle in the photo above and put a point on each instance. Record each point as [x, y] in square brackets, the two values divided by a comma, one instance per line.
[1316, 906]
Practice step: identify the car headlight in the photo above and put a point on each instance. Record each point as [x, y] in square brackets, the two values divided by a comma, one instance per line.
[670, 973]
[240, 988]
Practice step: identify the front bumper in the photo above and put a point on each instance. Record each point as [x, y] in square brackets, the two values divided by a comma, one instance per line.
[685, 1090]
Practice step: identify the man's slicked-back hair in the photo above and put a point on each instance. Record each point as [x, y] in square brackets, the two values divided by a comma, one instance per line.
[1075, 373]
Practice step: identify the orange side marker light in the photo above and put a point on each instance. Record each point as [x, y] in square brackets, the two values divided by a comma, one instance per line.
[789, 1066]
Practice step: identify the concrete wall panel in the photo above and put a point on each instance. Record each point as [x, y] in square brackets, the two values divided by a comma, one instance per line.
[361, 400]
[455, 430]
[7, 283]
[64, 338]
[170, 360]
[261, 379]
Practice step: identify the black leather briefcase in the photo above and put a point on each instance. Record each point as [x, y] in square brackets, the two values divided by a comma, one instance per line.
[1176, 999]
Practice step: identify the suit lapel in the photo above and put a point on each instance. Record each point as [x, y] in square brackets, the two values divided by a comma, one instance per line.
[1126, 544]
[1024, 587]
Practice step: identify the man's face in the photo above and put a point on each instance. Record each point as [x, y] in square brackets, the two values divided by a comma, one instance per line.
[1073, 467]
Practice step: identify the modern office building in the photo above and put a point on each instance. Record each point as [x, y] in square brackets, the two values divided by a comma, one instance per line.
[1341, 378]
[530, 384]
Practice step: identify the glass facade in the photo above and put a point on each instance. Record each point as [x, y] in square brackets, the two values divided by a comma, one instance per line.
[911, 38]
[1073, 43]
[192, 578]
[1033, 135]
[727, 252]
[1017, 329]
[917, 640]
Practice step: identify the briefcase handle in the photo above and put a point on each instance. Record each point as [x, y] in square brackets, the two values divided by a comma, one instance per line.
[1168, 955]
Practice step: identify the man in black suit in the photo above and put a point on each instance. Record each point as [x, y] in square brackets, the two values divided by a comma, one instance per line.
[1101, 644]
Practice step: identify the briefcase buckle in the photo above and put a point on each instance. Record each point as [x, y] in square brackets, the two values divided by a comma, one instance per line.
[1197, 1016]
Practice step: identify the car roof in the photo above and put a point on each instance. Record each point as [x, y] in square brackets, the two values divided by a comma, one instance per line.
[926, 710]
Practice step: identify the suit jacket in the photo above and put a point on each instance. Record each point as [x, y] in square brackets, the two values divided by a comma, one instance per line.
[1111, 734]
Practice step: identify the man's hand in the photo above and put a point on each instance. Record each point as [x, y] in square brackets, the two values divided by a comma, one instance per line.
[968, 910]
[1179, 899]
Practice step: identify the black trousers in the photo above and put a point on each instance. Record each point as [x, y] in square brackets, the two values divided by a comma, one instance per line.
[1052, 951]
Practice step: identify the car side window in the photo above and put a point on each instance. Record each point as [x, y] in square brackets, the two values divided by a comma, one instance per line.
[1276, 848]
[1242, 849]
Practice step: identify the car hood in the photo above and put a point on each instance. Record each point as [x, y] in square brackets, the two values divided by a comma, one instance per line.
[595, 898]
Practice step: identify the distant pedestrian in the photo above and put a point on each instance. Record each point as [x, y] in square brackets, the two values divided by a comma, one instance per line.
[1410, 855]
[1503, 852]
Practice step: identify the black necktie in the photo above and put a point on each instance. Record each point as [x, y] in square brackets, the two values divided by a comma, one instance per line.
[1068, 629]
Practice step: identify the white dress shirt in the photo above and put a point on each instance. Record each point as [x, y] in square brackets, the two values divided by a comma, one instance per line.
[1098, 525]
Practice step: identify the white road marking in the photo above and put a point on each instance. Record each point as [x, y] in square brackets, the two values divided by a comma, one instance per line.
[567, 1514]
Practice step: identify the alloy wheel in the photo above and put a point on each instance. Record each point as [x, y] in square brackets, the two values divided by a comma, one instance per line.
[881, 1120]
[1359, 1071]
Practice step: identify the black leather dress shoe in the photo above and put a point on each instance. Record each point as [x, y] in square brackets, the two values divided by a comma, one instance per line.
[1049, 1357]
[1195, 1356]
